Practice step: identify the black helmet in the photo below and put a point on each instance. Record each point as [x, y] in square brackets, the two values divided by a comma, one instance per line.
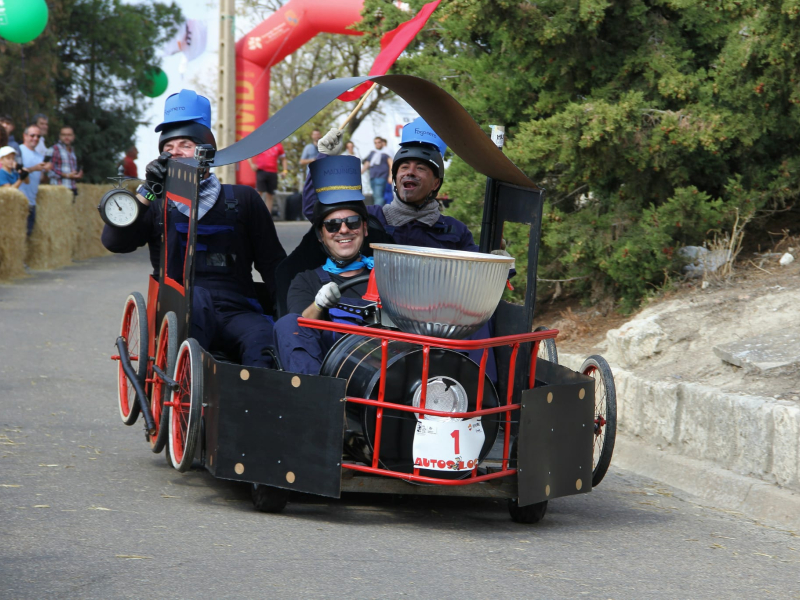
[323, 210]
[420, 151]
[197, 132]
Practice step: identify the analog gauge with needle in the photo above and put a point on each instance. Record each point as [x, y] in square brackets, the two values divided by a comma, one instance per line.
[119, 208]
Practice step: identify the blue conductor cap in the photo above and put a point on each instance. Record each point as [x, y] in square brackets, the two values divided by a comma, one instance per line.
[337, 179]
[186, 105]
[418, 131]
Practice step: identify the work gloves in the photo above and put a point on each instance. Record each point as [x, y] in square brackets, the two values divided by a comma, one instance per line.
[327, 296]
[504, 253]
[331, 143]
[156, 173]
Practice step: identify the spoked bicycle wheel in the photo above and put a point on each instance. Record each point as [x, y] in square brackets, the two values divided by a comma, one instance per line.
[185, 406]
[166, 353]
[547, 348]
[134, 330]
[605, 415]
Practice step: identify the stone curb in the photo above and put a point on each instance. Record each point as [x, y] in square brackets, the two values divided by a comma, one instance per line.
[722, 488]
[740, 451]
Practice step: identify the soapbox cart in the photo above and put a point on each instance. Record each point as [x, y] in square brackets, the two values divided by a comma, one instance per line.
[398, 406]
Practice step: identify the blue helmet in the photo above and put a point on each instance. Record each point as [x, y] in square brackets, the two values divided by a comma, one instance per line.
[186, 114]
[419, 132]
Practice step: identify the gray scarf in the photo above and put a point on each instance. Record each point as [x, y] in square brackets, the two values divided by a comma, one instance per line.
[398, 213]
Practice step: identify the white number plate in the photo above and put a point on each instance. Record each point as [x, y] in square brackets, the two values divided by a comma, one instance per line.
[448, 445]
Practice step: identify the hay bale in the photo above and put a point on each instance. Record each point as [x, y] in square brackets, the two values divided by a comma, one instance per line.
[14, 219]
[52, 242]
[88, 221]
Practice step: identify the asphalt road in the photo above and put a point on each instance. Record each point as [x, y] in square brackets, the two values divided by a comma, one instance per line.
[87, 511]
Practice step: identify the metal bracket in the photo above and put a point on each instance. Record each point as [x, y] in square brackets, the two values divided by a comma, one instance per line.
[168, 381]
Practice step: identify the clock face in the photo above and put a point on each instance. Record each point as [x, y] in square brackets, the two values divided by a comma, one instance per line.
[119, 208]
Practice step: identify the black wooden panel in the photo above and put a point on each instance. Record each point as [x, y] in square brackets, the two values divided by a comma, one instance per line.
[274, 427]
[183, 178]
[554, 447]
[503, 203]
[170, 299]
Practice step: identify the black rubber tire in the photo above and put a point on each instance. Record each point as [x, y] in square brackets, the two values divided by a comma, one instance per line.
[186, 405]
[605, 409]
[166, 355]
[134, 329]
[268, 499]
[532, 513]
[547, 348]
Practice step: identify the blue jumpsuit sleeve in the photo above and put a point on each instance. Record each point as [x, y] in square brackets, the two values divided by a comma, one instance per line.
[467, 243]
[265, 246]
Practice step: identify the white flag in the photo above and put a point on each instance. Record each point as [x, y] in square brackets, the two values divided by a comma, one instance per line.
[190, 39]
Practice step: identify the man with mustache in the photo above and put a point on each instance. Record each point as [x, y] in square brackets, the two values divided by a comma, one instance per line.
[340, 222]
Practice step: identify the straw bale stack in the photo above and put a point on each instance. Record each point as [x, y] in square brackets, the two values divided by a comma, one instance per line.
[13, 226]
[88, 221]
[53, 240]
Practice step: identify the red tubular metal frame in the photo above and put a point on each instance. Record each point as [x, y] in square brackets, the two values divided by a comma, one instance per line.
[427, 342]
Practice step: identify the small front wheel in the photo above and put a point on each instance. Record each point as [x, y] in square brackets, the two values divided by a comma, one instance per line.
[166, 353]
[269, 499]
[134, 330]
[605, 415]
[185, 406]
[532, 513]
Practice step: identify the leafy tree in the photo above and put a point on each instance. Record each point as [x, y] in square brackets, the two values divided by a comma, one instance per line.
[650, 123]
[105, 49]
[86, 70]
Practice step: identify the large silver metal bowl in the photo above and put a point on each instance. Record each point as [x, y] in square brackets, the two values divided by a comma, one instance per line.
[437, 292]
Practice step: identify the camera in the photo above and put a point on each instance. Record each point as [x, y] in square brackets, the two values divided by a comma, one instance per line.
[204, 153]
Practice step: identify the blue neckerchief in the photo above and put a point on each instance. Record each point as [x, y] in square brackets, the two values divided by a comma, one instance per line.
[362, 262]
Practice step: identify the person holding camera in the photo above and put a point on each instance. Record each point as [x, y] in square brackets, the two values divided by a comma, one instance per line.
[11, 174]
[35, 164]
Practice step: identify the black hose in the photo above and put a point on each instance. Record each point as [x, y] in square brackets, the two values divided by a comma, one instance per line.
[127, 367]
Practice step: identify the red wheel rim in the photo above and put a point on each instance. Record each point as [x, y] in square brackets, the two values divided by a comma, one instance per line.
[157, 391]
[181, 401]
[600, 410]
[130, 331]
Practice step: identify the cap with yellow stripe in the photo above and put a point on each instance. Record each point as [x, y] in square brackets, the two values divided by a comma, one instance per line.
[337, 179]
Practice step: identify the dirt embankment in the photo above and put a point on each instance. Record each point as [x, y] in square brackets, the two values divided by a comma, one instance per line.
[672, 338]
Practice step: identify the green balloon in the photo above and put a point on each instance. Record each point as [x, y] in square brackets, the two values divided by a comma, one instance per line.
[155, 83]
[21, 21]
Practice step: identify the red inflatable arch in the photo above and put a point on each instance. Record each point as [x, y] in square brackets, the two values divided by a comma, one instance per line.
[269, 43]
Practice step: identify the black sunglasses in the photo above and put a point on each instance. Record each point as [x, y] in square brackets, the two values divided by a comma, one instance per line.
[334, 225]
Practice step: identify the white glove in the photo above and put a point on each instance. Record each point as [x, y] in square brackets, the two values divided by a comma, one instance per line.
[504, 253]
[327, 296]
[331, 143]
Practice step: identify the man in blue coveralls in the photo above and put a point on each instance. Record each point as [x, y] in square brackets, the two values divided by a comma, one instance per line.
[339, 219]
[234, 232]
